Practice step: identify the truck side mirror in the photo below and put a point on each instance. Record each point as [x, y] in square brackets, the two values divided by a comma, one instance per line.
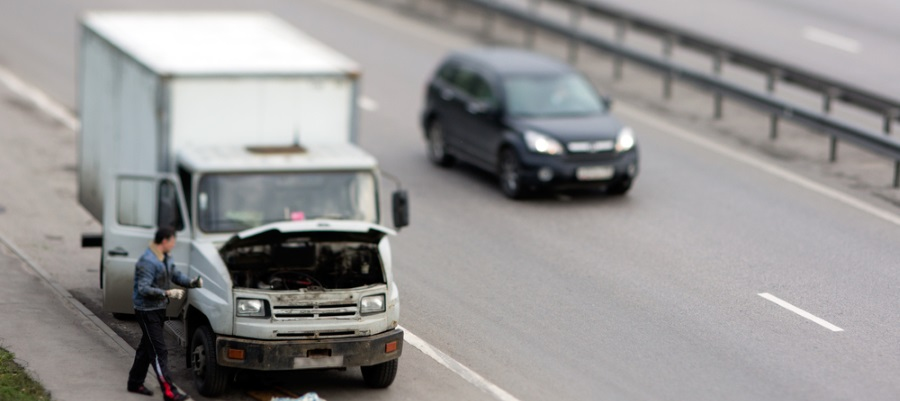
[400, 208]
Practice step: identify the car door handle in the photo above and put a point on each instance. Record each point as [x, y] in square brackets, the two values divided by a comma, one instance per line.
[117, 251]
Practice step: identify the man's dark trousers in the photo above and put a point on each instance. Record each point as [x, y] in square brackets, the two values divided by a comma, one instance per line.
[152, 350]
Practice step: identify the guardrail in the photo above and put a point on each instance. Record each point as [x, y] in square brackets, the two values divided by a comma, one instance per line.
[875, 142]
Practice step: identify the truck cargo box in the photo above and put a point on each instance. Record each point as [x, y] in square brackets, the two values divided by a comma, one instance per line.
[154, 82]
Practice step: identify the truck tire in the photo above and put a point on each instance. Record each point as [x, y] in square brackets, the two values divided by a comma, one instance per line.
[380, 375]
[210, 378]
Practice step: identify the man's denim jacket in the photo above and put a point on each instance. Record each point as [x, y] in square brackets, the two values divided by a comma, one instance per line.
[152, 277]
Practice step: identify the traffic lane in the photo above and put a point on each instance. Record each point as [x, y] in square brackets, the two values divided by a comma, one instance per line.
[680, 241]
[848, 42]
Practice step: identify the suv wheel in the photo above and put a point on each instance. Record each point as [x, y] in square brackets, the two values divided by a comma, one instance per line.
[210, 378]
[437, 147]
[510, 174]
[380, 375]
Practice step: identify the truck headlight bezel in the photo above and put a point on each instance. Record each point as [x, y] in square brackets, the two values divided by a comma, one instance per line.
[251, 307]
[371, 304]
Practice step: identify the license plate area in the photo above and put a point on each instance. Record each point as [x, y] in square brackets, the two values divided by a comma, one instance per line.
[594, 173]
[318, 358]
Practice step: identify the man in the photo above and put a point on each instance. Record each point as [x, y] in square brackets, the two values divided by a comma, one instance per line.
[152, 275]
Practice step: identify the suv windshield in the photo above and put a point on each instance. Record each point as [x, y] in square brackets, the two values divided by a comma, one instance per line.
[234, 202]
[550, 95]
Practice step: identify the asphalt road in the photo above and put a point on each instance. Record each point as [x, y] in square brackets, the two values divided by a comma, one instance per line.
[579, 297]
[855, 42]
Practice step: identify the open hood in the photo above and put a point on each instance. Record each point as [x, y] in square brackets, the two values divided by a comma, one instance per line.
[326, 230]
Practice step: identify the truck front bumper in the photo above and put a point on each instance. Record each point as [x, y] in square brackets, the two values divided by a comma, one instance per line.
[309, 354]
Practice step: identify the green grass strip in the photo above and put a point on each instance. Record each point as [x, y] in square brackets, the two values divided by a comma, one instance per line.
[15, 384]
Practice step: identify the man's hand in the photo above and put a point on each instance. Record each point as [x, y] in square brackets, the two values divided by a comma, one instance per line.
[175, 293]
[197, 282]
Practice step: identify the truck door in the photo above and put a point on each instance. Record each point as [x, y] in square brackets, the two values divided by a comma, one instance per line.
[135, 207]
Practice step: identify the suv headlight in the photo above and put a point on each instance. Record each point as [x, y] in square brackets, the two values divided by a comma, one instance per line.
[251, 307]
[625, 139]
[541, 143]
[371, 304]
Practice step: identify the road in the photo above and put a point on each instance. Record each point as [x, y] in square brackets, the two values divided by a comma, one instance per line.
[851, 42]
[654, 295]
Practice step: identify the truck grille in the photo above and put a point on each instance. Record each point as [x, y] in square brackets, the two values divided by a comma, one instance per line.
[319, 334]
[314, 311]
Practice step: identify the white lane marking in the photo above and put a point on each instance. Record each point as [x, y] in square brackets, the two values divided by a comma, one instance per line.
[831, 39]
[367, 104]
[43, 102]
[769, 168]
[801, 312]
[456, 367]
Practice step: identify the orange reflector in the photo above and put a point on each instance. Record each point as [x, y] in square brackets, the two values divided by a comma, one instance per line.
[390, 347]
[236, 354]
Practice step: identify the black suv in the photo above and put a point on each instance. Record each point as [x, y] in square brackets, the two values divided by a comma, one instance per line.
[534, 121]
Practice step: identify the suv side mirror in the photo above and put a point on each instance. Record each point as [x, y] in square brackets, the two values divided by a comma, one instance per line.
[607, 102]
[400, 206]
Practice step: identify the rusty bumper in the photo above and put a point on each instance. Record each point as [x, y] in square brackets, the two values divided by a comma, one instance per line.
[309, 354]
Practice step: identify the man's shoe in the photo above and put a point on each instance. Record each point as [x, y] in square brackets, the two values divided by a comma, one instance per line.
[140, 390]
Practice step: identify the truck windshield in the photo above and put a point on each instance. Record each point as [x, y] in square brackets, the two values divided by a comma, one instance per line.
[235, 202]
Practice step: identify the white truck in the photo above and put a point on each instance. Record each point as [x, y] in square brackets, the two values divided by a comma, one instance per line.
[239, 131]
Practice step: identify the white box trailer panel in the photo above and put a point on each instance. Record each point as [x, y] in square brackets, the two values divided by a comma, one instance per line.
[151, 82]
[261, 110]
[120, 128]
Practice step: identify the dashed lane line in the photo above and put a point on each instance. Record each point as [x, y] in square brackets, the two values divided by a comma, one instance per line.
[784, 304]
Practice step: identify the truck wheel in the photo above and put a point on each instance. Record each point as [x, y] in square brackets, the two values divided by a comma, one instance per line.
[210, 378]
[380, 375]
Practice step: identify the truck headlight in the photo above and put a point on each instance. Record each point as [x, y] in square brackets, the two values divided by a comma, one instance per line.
[541, 143]
[625, 139]
[251, 307]
[371, 304]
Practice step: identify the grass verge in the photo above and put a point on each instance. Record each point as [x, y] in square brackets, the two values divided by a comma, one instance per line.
[15, 384]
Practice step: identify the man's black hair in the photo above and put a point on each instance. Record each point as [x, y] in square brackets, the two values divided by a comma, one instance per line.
[163, 233]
